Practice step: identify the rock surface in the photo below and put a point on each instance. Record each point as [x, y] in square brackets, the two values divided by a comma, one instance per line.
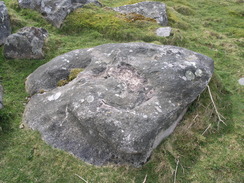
[1, 97]
[241, 81]
[55, 11]
[154, 10]
[27, 43]
[163, 31]
[127, 100]
[5, 27]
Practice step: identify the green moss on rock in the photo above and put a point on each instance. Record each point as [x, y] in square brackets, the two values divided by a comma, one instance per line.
[72, 75]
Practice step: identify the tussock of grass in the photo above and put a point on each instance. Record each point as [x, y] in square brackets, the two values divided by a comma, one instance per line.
[111, 24]
[184, 10]
[175, 19]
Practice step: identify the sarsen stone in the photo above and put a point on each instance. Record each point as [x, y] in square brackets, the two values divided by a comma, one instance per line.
[127, 100]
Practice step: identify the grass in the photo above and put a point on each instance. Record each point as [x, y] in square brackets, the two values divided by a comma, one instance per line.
[210, 27]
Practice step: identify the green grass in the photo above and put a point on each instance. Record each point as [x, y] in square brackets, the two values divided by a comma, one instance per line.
[210, 27]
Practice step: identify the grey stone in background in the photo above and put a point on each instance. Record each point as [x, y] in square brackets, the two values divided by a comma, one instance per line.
[55, 11]
[163, 31]
[154, 10]
[5, 27]
[241, 81]
[128, 99]
[27, 43]
[1, 97]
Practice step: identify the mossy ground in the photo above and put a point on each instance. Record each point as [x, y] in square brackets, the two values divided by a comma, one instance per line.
[211, 27]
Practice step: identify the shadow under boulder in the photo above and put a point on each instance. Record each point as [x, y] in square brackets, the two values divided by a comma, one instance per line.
[128, 99]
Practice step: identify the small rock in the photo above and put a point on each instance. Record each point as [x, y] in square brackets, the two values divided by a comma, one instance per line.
[5, 27]
[163, 31]
[21, 126]
[154, 10]
[27, 43]
[241, 81]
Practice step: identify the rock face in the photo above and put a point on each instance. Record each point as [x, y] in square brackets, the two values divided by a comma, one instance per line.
[154, 10]
[5, 28]
[163, 31]
[128, 99]
[1, 97]
[27, 43]
[55, 11]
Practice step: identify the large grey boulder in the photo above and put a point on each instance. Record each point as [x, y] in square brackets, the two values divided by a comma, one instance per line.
[1, 97]
[127, 100]
[154, 10]
[5, 27]
[27, 43]
[55, 11]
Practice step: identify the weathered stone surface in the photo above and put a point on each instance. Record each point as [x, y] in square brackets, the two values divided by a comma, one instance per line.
[163, 31]
[1, 97]
[5, 27]
[127, 100]
[27, 43]
[55, 11]
[154, 10]
[47, 76]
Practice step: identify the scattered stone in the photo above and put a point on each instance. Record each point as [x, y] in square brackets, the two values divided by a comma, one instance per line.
[1, 97]
[154, 10]
[241, 81]
[55, 11]
[5, 27]
[163, 31]
[21, 126]
[27, 43]
[127, 100]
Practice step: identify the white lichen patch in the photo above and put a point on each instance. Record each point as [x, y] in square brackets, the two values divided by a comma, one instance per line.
[183, 77]
[158, 109]
[82, 100]
[90, 99]
[145, 116]
[198, 72]
[54, 97]
[190, 63]
[66, 60]
[76, 105]
[192, 58]
[189, 75]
